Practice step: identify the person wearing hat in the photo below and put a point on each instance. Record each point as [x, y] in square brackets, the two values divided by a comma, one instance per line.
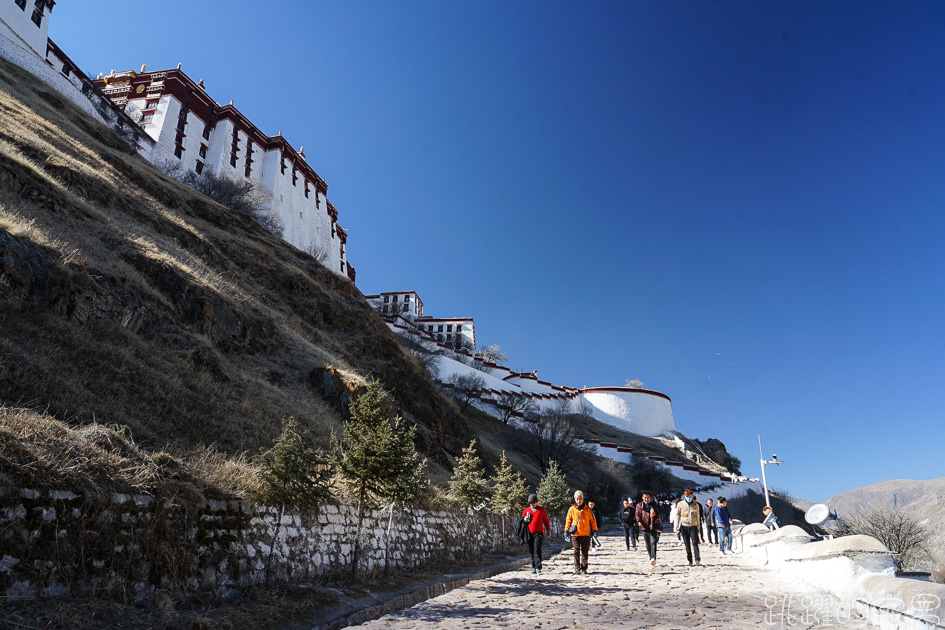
[771, 521]
[536, 519]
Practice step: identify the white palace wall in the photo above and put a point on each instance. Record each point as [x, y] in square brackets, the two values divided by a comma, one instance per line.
[639, 411]
[18, 21]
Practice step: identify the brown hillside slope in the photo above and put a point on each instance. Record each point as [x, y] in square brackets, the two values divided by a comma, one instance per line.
[925, 498]
[129, 299]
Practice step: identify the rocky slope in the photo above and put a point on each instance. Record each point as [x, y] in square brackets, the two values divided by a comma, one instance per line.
[127, 298]
[924, 498]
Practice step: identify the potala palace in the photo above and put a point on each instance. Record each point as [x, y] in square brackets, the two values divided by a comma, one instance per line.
[173, 121]
[453, 341]
[177, 126]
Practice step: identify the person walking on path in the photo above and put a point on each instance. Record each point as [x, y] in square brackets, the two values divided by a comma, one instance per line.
[593, 508]
[771, 521]
[537, 521]
[581, 524]
[651, 524]
[636, 523]
[628, 518]
[708, 517]
[688, 519]
[723, 523]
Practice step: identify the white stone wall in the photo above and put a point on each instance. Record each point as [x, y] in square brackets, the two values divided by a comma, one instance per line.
[22, 26]
[12, 50]
[57, 543]
[636, 410]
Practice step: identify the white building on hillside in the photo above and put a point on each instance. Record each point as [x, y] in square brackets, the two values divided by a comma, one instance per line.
[407, 304]
[28, 22]
[24, 25]
[196, 134]
[455, 332]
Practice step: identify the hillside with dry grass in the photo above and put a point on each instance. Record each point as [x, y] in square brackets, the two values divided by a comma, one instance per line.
[140, 319]
[129, 300]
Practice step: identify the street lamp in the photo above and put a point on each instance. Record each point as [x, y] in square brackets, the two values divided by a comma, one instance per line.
[774, 460]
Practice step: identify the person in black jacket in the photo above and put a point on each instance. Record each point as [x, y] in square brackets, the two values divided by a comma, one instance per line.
[708, 517]
[628, 519]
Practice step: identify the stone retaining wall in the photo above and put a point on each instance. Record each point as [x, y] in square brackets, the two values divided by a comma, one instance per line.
[57, 543]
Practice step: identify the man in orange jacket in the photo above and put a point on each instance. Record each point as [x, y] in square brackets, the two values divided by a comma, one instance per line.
[580, 524]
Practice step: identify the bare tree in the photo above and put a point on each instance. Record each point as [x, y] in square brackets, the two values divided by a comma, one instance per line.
[317, 252]
[896, 528]
[466, 387]
[240, 195]
[554, 437]
[635, 383]
[493, 353]
[460, 343]
[511, 404]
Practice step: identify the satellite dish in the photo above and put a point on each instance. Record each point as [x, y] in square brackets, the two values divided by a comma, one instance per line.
[818, 514]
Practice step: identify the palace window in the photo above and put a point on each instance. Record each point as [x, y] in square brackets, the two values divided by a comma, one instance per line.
[37, 17]
[203, 150]
[206, 132]
[147, 117]
[306, 189]
[395, 298]
[295, 176]
[249, 157]
[439, 329]
[449, 328]
[199, 168]
[21, 4]
[178, 151]
[386, 299]
[66, 70]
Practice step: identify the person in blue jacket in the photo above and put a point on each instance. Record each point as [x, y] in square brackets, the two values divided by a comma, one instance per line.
[723, 523]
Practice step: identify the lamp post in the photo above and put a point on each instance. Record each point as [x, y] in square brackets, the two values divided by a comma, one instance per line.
[774, 460]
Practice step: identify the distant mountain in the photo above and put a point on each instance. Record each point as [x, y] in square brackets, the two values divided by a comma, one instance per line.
[925, 498]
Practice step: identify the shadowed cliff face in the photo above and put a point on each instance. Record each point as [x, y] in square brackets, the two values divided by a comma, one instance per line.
[127, 298]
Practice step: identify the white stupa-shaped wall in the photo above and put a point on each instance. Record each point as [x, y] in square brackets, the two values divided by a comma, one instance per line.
[639, 411]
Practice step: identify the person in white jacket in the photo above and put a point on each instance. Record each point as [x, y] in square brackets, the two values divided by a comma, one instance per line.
[672, 516]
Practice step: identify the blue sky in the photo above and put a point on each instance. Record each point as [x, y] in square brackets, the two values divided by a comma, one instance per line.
[740, 203]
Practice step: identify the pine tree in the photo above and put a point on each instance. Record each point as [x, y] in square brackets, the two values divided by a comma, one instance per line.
[553, 491]
[292, 475]
[509, 491]
[468, 486]
[375, 456]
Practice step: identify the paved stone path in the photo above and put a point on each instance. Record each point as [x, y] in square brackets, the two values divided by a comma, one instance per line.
[621, 590]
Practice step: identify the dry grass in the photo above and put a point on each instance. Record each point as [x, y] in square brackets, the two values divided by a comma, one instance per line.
[157, 310]
[95, 460]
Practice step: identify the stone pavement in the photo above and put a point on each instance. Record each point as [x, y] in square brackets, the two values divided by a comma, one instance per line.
[621, 590]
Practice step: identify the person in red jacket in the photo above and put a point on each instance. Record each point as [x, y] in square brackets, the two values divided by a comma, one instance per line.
[537, 520]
